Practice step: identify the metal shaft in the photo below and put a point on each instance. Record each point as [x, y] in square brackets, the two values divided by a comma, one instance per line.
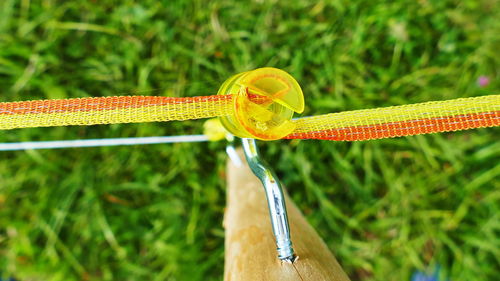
[275, 200]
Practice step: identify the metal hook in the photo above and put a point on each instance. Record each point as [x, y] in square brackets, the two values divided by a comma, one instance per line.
[275, 200]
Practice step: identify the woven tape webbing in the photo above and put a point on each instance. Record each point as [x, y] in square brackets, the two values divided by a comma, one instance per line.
[109, 110]
[422, 118]
[404, 120]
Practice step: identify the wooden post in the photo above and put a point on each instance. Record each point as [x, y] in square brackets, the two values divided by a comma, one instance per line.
[250, 247]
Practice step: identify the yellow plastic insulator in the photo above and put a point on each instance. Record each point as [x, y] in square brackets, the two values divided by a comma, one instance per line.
[264, 101]
[213, 129]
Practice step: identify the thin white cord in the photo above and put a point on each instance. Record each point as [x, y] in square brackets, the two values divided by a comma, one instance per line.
[12, 146]
[233, 155]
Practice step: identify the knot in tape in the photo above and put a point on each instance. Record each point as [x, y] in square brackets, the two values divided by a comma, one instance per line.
[264, 101]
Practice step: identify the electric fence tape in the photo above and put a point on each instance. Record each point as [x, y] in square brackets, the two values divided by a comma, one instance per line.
[267, 109]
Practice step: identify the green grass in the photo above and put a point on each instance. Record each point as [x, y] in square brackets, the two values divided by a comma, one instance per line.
[385, 207]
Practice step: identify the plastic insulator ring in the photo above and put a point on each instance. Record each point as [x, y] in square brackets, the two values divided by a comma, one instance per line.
[264, 100]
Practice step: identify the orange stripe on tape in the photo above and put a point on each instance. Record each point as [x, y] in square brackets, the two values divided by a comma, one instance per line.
[101, 103]
[406, 128]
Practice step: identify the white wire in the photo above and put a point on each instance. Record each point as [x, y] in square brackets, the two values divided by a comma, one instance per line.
[32, 145]
[12, 146]
[233, 155]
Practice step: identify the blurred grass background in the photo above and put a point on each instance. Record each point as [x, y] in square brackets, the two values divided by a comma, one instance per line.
[385, 207]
